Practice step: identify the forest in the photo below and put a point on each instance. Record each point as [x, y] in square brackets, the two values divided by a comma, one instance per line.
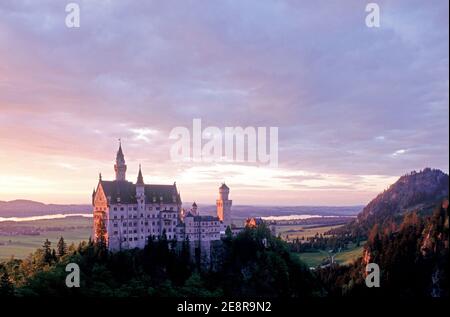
[413, 257]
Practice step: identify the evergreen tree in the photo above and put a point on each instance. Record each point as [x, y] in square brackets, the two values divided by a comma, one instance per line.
[6, 287]
[54, 257]
[61, 247]
[228, 232]
[47, 251]
[101, 234]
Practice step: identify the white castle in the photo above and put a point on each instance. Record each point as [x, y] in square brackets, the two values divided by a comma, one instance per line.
[126, 215]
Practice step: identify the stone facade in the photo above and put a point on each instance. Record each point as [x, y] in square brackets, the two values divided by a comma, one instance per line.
[126, 215]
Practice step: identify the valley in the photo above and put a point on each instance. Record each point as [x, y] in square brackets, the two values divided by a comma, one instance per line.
[19, 239]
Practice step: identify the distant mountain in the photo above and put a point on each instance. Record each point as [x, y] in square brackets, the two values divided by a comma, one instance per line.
[417, 191]
[246, 211]
[25, 208]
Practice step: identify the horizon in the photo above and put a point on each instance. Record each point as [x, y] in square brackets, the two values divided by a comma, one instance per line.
[190, 202]
[355, 107]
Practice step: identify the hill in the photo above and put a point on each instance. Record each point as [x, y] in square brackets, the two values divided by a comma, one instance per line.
[26, 208]
[416, 191]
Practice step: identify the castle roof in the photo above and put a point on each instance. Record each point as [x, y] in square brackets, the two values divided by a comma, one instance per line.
[202, 218]
[119, 155]
[224, 186]
[205, 218]
[125, 192]
[140, 179]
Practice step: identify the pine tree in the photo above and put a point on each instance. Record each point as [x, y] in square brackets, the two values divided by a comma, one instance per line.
[61, 247]
[47, 251]
[101, 234]
[228, 232]
[6, 287]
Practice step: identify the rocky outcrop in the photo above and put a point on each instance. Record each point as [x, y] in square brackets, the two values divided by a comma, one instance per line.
[416, 191]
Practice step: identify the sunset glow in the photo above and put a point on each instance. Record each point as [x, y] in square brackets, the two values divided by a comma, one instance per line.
[356, 108]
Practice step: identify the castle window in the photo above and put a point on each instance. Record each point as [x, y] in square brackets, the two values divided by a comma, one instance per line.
[135, 238]
[124, 239]
[115, 208]
[121, 209]
[124, 232]
[171, 208]
[134, 208]
[158, 208]
[124, 224]
[131, 239]
[142, 215]
[130, 231]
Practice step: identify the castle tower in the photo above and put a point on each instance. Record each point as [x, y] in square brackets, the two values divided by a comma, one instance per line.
[224, 205]
[194, 209]
[140, 184]
[120, 167]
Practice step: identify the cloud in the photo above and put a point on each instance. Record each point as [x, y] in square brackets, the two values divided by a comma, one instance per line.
[143, 134]
[399, 152]
[346, 98]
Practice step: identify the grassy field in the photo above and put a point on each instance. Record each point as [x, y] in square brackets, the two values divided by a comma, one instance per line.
[73, 229]
[313, 259]
[292, 232]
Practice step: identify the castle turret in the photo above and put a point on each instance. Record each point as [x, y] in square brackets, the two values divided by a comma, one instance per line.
[140, 186]
[120, 167]
[224, 205]
[194, 209]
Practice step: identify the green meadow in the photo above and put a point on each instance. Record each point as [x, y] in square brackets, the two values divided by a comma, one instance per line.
[73, 229]
[292, 232]
[313, 259]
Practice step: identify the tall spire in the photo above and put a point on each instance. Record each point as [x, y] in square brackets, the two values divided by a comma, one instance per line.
[120, 167]
[140, 178]
[120, 156]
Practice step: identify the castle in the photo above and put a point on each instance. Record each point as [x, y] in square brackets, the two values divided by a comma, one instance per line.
[126, 215]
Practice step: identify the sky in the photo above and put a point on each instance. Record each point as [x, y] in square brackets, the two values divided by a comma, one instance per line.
[356, 107]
